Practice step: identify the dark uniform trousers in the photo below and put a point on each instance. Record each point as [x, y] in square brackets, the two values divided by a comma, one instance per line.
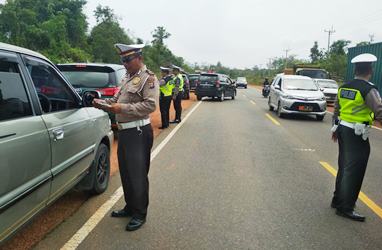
[134, 149]
[178, 106]
[164, 105]
[352, 161]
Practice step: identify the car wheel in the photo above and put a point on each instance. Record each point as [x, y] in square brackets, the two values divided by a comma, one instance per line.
[279, 113]
[221, 96]
[269, 104]
[233, 96]
[198, 97]
[320, 117]
[245, 87]
[100, 170]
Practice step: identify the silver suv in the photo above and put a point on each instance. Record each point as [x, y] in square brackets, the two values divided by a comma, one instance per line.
[292, 94]
[50, 138]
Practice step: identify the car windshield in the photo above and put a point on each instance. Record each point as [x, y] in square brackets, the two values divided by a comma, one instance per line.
[299, 84]
[241, 79]
[328, 85]
[87, 77]
[193, 77]
[313, 73]
[208, 78]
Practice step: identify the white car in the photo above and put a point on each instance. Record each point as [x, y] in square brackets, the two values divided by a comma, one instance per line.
[329, 88]
[292, 94]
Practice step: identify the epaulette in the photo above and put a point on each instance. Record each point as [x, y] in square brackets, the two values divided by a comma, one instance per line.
[150, 72]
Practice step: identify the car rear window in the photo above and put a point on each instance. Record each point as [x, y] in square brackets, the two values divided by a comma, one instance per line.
[87, 76]
[208, 78]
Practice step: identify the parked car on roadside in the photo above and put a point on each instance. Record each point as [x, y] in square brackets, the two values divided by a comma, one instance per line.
[329, 88]
[215, 85]
[105, 78]
[194, 79]
[291, 94]
[241, 82]
[51, 139]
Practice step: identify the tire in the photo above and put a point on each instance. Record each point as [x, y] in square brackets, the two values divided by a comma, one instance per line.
[221, 97]
[320, 117]
[198, 97]
[245, 87]
[279, 114]
[100, 170]
[269, 104]
[233, 96]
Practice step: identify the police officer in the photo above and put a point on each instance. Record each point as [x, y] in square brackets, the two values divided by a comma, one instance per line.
[358, 104]
[177, 93]
[166, 86]
[132, 105]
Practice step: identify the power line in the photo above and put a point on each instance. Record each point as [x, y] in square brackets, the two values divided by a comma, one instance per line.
[330, 32]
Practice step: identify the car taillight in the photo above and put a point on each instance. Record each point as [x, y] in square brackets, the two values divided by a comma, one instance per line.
[217, 84]
[109, 91]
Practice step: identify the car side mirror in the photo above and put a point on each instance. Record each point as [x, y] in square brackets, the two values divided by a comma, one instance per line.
[278, 87]
[321, 89]
[89, 96]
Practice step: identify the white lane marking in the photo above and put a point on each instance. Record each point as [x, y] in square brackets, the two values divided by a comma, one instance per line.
[254, 103]
[305, 149]
[245, 96]
[92, 222]
[380, 129]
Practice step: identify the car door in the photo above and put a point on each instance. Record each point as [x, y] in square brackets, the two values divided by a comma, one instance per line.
[70, 126]
[24, 149]
[278, 91]
[272, 92]
[230, 87]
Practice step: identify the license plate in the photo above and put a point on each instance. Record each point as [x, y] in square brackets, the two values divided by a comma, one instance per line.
[305, 108]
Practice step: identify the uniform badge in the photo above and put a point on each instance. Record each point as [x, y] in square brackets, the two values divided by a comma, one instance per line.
[136, 80]
[152, 85]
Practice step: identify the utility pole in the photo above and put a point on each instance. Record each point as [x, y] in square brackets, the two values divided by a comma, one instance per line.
[371, 38]
[330, 32]
[286, 57]
[269, 66]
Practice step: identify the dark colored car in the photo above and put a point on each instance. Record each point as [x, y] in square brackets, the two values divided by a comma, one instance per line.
[194, 79]
[215, 85]
[186, 92]
[105, 78]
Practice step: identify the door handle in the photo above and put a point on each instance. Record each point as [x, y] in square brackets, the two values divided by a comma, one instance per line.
[58, 134]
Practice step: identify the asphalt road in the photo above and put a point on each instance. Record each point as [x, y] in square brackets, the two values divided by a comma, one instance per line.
[231, 178]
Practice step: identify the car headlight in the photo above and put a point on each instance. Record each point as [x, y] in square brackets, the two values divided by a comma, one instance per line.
[289, 97]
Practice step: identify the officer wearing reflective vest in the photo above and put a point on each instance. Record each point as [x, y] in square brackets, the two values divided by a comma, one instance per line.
[166, 86]
[177, 93]
[358, 104]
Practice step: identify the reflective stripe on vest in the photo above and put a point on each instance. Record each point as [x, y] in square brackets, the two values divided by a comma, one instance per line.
[181, 84]
[352, 106]
[166, 89]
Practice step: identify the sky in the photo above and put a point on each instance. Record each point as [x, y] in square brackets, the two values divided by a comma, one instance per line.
[245, 33]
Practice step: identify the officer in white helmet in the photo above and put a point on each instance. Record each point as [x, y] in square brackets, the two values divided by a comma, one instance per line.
[358, 104]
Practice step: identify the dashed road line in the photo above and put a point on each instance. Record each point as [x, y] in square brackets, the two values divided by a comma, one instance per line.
[362, 196]
[272, 119]
[254, 103]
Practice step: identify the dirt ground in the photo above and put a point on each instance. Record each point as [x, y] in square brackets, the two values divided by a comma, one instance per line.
[72, 201]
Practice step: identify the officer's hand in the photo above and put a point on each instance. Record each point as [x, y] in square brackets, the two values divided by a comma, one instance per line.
[95, 103]
[334, 137]
[115, 108]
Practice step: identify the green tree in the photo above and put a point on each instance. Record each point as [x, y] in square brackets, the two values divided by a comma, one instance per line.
[56, 28]
[159, 35]
[339, 47]
[315, 53]
[105, 34]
